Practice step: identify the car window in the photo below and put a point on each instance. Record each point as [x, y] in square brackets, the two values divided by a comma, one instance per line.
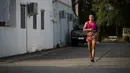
[78, 27]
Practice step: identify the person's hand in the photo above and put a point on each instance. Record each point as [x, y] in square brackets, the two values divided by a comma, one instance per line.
[91, 29]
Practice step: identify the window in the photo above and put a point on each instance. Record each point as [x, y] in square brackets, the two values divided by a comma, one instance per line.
[42, 19]
[23, 7]
[34, 21]
[62, 14]
[70, 17]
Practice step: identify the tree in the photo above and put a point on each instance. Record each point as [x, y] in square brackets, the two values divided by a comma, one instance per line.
[105, 12]
[85, 8]
[74, 3]
[112, 12]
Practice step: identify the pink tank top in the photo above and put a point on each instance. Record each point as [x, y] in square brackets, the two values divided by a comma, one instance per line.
[93, 26]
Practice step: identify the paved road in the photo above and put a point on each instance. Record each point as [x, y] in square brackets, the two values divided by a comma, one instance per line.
[110, 58]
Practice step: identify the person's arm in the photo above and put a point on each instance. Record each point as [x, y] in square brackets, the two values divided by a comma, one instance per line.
[84, 28]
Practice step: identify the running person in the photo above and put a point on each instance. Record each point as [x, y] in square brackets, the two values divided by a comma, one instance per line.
[91, 28]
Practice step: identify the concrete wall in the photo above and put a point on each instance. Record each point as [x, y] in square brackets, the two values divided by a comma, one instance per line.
[15, 40]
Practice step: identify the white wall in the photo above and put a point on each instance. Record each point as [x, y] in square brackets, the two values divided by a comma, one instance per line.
[11, 43]
[38, 38]
[63, 27]
[66, 2]
[13, 39]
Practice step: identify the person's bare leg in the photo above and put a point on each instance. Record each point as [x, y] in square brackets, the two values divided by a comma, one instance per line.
[89, 48]
[93, 49]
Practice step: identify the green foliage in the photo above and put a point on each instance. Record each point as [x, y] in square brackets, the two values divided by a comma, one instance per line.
[105, 13]
[110, 12]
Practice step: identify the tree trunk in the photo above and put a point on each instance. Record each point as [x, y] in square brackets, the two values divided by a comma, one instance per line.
[99, 36]
[116, 30]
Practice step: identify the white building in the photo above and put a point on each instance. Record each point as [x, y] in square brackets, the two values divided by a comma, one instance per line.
[24, 32]
[63, 21]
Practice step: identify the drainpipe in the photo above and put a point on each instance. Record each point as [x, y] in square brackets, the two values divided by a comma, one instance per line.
[54, 5]
[68, 27]
[60, 31]
[26, 29]
[26, 36]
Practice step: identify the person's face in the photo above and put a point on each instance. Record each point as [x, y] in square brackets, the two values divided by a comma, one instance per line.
[91, 17]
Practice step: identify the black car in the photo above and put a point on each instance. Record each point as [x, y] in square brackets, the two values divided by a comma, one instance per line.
[78, 36]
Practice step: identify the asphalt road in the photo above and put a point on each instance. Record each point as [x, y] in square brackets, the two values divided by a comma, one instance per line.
[110, 58]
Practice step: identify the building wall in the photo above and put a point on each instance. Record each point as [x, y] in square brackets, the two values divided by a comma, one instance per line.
[15, 40]
[9, 36]
[40, 38]
[68, 2]
[62, 27]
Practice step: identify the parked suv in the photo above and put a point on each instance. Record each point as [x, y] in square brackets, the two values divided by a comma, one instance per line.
[77, 35]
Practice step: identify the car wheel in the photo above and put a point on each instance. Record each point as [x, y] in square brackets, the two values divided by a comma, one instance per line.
[74, 43]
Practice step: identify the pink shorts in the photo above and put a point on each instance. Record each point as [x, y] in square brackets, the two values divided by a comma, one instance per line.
[90, 37]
